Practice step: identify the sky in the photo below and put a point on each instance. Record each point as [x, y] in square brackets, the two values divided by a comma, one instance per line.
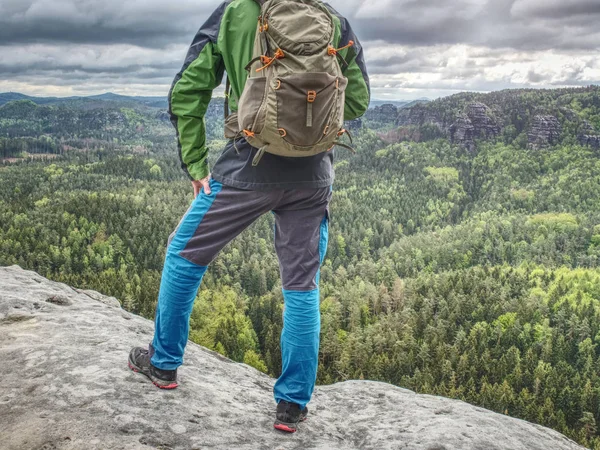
[413, 48]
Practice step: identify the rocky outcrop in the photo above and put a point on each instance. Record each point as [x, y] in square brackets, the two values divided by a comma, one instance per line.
[588, 136]
[163, 116]
[590, 141]
[66, 385]
[477, 122]
[384, 114]
[419, 116]
[545, 131]
[483, 120]
[355, 124]
[463, 132]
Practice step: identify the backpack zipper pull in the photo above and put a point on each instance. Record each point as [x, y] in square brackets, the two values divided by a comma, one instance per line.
[312, 96]
[259, 156]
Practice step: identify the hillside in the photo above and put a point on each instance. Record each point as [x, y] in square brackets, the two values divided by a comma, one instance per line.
[526, 118]
[107, 122]
[155, 102]
[66, 385]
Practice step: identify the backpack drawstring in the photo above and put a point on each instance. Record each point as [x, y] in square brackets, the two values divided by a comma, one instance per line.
[344, 131]
[334, 51]
[267, 60]
[340, 134]
[245, 133]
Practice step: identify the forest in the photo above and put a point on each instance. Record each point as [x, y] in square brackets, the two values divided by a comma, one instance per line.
[467, 271]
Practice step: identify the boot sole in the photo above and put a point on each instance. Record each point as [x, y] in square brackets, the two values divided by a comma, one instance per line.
[155, 382]
[288, 427]
[285, 427]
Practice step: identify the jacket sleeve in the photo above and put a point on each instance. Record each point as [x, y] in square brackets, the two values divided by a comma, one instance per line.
[358, 92]
[191, 93]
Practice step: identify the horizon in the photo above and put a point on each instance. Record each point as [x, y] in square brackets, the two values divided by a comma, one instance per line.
[219, 94]
[413, 49]
[98, 94]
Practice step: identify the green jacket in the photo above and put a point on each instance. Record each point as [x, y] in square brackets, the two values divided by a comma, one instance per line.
[225, 43]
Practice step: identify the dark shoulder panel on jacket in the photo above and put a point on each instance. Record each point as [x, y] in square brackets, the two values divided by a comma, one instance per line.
[347, 35]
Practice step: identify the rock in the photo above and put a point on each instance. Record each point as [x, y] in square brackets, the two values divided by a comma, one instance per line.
[570, 115]
[418, 123]
[66, 385]
[355, 124]
[462, 132]
[545, 131]
[385, 114]
[420, 115]
[477, 122]
[587, 136]
[163, 116]
[483, 120]
[586, 128]
[590, 141]
[110, 301]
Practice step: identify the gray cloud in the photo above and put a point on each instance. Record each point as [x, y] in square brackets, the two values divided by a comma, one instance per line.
[556, 9]
[534, 77]
[413, 47]
[519, 24]
[149, 23]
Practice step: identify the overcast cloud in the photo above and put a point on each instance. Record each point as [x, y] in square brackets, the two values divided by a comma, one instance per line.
[414, 48]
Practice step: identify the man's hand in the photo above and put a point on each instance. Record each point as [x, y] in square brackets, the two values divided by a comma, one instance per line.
[203, 184]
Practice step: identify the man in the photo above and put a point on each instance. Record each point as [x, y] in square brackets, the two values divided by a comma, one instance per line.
[296, 190]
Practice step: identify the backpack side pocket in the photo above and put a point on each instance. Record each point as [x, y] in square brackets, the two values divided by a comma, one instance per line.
[249, 106]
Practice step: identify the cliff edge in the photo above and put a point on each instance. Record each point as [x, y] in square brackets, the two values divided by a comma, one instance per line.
[66, 385]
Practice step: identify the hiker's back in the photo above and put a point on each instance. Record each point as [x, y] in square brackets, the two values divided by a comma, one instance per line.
[301, 115]
[292, 102]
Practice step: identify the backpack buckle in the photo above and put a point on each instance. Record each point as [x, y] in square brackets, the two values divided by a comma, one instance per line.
[312, 96]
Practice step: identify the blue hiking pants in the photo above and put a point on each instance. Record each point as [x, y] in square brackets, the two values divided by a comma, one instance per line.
[301, 233]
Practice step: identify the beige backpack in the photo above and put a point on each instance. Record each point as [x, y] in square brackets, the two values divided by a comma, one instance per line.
[293, 100]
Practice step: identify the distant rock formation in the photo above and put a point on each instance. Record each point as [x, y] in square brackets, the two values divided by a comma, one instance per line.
[355, 124]
[590, 140]
[420, 115]
[483, 120]
[385, 114]
[545, 131]
[163, 116]
[66, 385]
[463, 132]
[588, 136]
[477, 122]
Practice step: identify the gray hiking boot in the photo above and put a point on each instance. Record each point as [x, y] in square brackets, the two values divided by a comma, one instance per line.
[139, 361]
[288, 416]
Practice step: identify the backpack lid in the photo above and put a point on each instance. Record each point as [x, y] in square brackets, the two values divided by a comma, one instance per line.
[300, 27]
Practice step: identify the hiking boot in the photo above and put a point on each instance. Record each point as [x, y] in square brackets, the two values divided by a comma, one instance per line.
[139, 361]
[288, 416]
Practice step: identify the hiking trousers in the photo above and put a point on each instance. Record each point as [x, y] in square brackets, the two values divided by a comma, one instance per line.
[301, 234]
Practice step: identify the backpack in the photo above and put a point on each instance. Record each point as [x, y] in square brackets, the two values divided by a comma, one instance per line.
[293, 101]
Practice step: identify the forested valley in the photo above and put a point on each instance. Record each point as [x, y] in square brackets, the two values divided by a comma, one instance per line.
[463, 260]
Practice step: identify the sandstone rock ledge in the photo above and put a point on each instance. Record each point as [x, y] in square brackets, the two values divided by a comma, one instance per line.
[66, 385]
